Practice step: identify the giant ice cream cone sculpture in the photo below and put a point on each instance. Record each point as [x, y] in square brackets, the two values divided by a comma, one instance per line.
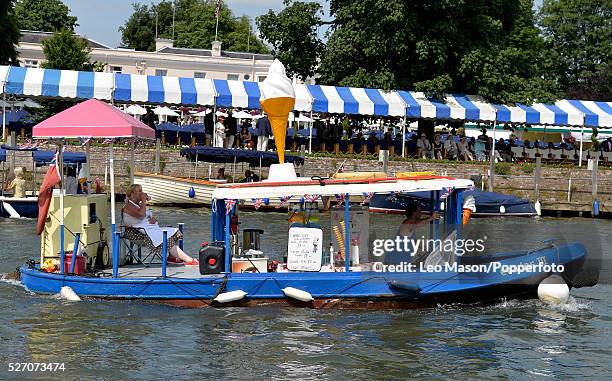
[278, 99]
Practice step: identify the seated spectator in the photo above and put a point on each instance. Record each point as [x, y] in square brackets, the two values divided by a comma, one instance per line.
[464, 152]
[450, 149]
[411, 146]
[246, 141]
[437, 147]
[424, 148]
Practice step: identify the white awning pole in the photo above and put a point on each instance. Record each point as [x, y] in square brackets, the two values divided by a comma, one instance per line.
[580, 156]
[404, 137]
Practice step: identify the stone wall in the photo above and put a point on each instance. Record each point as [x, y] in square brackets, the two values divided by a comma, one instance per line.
[516, 179]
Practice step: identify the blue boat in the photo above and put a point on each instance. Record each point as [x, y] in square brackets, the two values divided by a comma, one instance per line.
[443, 276]
[488, 204]
[27, 207]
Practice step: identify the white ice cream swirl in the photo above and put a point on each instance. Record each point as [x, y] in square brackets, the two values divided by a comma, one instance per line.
[277, 84]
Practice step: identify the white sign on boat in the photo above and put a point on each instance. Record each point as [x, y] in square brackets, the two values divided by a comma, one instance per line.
[305, 249]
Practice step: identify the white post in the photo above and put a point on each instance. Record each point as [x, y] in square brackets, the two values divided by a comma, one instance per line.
[492, 164]
[61, 205]
[3, 117]
[404, 138]
[112, 199]
[310, 134]
[580, 156]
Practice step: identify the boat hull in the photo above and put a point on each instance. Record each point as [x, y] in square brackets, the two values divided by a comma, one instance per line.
[488, 204]
[18, 207]
[329, 289]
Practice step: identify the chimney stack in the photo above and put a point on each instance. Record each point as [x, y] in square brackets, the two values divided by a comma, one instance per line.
[216, 49]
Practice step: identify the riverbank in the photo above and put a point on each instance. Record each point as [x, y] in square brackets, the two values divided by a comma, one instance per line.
[565, 190]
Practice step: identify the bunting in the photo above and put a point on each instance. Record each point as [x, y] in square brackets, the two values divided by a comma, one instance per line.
[257, 202]
[367, 196]
[283, 202]
[311, 197]
[229, 205]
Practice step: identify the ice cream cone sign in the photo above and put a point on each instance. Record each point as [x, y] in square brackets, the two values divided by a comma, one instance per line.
[277, 100]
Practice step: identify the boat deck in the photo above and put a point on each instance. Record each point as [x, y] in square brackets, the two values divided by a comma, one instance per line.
[154, 271]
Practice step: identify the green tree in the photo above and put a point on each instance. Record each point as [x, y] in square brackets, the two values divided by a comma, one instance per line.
[293, 36]
[194, 27]
[67, 51]
[9, 30]
[429, 45]
[44, 15]
[579, 33]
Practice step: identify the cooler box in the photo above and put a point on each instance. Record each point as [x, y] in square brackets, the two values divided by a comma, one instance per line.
[79, 266]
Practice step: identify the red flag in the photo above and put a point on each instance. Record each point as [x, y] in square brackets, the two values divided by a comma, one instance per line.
[52, 178]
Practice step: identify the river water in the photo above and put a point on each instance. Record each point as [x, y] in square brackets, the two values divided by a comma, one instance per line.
[115, 340]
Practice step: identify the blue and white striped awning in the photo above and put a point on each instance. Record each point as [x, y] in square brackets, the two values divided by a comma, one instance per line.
[456, 107]
[596, 114]
[59, 83]
[163, 89]
[353, 100]
[3, 74]
[237, 93]
[539, 113]
[303, 99]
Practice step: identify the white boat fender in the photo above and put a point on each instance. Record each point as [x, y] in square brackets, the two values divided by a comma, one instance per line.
[502, 209]
[553, 290]
[232, 296]
[69, 294]
[301, 295]
[538, 207]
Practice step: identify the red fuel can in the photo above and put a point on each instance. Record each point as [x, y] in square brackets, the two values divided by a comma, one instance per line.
[79, 266]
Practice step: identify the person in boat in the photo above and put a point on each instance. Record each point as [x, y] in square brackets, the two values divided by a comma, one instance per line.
[18, 184]
[413, 220]
[250, 177]
[136, 215]
[72, 184]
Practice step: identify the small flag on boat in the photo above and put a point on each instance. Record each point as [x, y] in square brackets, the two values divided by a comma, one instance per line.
[284, 200]
[340, 197]
[257, 202]
[367, 196]
[108, 141]
[446, 192]
[229, 205]
[84, 141]
[311, 197]
[218, 9]
[45, 194]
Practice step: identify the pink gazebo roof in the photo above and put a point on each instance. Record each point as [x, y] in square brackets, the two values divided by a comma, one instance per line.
[92, 119]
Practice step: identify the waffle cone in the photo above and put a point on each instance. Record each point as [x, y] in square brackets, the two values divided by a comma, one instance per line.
[278, 113]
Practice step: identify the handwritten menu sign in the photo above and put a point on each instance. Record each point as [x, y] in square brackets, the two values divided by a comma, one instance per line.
[305, 249]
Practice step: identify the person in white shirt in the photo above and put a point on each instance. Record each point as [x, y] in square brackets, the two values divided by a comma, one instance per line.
[72, 184]
[219, 139]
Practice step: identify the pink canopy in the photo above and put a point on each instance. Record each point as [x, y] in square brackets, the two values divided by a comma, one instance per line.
[92, 119]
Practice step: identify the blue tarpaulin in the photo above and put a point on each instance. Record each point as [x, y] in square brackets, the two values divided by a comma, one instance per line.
[226, 155]
[44, 157]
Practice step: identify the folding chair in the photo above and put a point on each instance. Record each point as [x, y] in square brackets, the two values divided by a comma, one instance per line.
[133, 246]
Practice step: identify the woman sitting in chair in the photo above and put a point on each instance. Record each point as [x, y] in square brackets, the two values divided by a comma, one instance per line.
[136, 215]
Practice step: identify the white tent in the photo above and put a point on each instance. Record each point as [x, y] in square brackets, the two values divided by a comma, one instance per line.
[301, 118]
[242, 115]
[164, 111]
[136, 110]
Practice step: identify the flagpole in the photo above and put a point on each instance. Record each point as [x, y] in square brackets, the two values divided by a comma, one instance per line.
[217, 11]
[115, 252]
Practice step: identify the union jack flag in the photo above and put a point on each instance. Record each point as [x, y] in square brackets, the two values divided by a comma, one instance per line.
[311, 197]
[84, 141]
[257, 202]
[229, 205]
[367, 196]
[29, 144]
[340, 197]
[446, 192]
[283, 201]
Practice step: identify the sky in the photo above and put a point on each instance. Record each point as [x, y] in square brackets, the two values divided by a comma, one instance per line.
[100, 20]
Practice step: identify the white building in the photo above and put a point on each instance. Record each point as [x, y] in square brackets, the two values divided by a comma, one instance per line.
[166, 60]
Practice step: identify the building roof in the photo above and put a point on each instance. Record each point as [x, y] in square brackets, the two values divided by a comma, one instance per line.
[208, 53]
[37, 37]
